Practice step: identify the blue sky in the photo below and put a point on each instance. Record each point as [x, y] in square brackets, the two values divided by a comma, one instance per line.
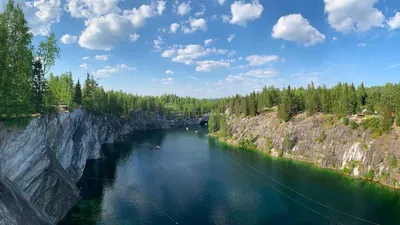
[214, 48]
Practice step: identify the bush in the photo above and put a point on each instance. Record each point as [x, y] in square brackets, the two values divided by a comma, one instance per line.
[394, 162]
[321, 137]
[288, 144]
[268, 144]
[346, 121]
[330, 119]
[370, 174]
[374, 125]
[353, 124]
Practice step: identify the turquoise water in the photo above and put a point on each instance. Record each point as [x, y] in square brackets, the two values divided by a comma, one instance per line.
[195, 180]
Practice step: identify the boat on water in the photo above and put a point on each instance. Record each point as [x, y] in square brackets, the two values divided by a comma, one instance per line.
[158, 147]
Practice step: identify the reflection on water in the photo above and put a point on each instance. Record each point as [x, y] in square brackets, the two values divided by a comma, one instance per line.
[194, 179]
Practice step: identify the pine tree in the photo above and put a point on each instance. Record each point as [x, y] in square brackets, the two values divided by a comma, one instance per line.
[285, 107]
[361, 94]
[386, 118]
[78, 93]
[39, 86]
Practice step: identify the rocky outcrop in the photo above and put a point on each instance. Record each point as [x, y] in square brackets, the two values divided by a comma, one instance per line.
[324, 142]
[40, 165]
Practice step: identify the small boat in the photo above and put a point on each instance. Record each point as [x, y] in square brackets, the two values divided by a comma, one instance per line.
[187, 128]
[196, 132]
[158, 147]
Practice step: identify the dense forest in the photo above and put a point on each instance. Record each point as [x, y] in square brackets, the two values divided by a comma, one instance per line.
[27, 86]
[341, 101]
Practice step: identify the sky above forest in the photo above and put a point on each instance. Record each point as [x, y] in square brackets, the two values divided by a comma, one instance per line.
[214, 48]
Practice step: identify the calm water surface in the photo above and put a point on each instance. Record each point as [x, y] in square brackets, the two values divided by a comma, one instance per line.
[195, 180]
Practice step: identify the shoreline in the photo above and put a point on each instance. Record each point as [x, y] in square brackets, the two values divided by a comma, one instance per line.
[297, 160]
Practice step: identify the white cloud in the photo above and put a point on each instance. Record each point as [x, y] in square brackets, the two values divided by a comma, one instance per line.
[193, 78]
[225, 18]
[394, 66]
[104, 32]
[360, 45]
[209, 41]
[174, 27]
[221, 2]
[189, 53]
[200, 13]
[108, 70]
[169, 72]
[134, 37]
[195, 25]
[168, 80]
[353, 15]
[394, 22]
[209, 65]
[334, 39]
[262, 73]
[161, 7]
[102, 57]
[157, 44]
[84, 66]
[231, 37]
[89, 8]
[184, 8]
[297, 29]
[85, 58]
[258, 60]
[40, 14]
[243, 12]
[68, 39]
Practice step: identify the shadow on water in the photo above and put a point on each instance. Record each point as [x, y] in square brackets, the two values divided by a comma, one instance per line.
[100, 174]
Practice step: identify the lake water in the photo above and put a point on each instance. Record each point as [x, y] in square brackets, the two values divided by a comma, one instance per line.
[194, 180]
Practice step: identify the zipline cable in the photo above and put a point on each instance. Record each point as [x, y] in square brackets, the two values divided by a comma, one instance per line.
[298, 202]
[304, 196]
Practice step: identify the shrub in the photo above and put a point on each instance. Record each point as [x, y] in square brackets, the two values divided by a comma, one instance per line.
[353, 124]
[280, 153]
[330, 119]
[346, 121]
[394, 162]
[268, 144]
[288, 144]
[370, 174]
[321, 137]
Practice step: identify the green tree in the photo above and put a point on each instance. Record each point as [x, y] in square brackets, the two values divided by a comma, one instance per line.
[78, 93]
[16, 63]
[39, 86]
[386, 118]
[285, 108]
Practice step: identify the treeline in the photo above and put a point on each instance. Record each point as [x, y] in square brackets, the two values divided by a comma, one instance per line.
[28, 87]
[341, 100]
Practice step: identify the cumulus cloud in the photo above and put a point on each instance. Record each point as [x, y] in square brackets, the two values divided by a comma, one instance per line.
[361, 45]
[102, 57]
[243, 12]
[221, 2]
[353, 15]
[189, 53]
[231, 37]
[183, 8]
[394, 22]
[158, 44]
[210, 65]
[108, 70]
[209, 41]
[258, 60]
[169, 72]
[174, 27]
[84, 66]
[195, 25]
[262, 73]
[104, 32]
[225, 18]
[85, 58]
[68, 39]
[89, 8]
[295, 28]
[41, 14]
[134, 37]
[201, 12]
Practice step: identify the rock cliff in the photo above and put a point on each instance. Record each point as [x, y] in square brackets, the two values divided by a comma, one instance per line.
[323, 142]
[40, 165]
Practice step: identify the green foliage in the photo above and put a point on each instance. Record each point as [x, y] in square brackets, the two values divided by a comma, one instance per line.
[386, 118]
[373, 124]
[288, 143]
[321, 137]
[268, 144]
[280, 153]
[393, 164]
[78, 93]
[353, 124]
[248, 143]
[347, 170]
[370, 174]
[346, 121]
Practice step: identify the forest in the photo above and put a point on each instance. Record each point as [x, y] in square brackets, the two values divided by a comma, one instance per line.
[27, 86]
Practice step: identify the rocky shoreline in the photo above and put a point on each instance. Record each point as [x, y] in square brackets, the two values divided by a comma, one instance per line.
[324, 143]
[41, 164]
